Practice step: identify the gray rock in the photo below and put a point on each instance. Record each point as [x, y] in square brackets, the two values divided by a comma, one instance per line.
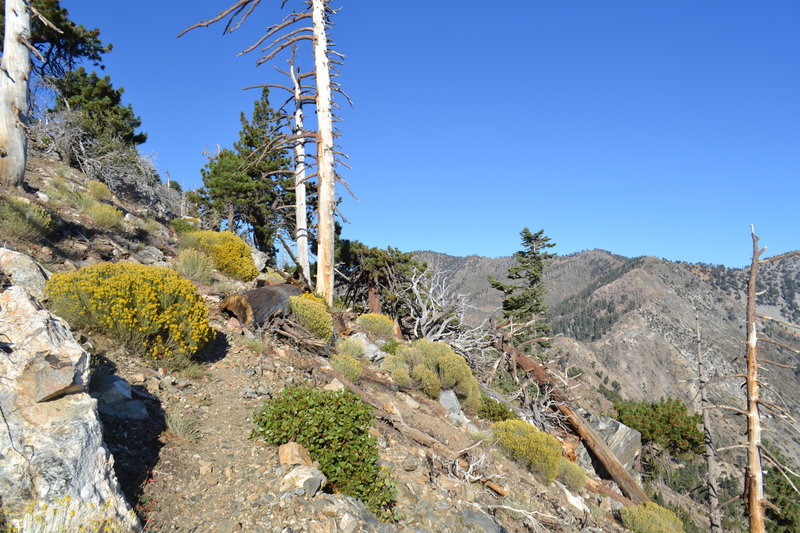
[449, 400]
[52, 445]
[127, 410]
[624, 442]
[483, 521]
[107, 388]
[259, 258]
[307, 479]
[371, 351]
[150, 255]
[22, 270]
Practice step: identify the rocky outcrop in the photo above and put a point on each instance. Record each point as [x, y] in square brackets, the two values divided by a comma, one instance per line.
[624, 442]
[51, 444]
[22, 270]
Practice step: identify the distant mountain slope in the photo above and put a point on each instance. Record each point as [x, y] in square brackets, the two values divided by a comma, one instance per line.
[632, 321]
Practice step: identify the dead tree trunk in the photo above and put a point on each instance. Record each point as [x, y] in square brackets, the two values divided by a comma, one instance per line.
[593, 442]
[16, 67]
[301, 219]
[710, 455]
[753, 479]
[325, 155]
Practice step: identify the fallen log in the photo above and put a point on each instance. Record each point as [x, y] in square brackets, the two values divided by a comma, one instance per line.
[256, 306]
[593, 442]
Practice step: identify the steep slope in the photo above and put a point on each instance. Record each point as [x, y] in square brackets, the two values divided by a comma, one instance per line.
[631, 323]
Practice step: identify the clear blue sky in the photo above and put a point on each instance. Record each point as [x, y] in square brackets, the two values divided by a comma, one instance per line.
[643, 128]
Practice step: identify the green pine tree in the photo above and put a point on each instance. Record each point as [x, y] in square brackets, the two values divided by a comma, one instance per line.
[781, 494]
[266, 162]
[524, 305]
[102, 115]
[61, 51]
[228, 190]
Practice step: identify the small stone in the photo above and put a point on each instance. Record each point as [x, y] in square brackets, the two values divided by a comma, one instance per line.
[334, 385]
[306, 479]
[138, 379]
[233, 325]
[410, 402]
[293, 453]
[409, 464]
[206, 469]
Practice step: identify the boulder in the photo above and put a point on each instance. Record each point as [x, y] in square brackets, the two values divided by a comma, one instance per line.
[372, 351]
[624, 442]
[293, 453]
[51, 443]
[22, 270]
[150, 255]
[303, 479]
[259, 258]
[114, 398]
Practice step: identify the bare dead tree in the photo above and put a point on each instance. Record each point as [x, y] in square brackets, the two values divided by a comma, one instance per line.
[289, 34]
[754, 498]
[709, 454]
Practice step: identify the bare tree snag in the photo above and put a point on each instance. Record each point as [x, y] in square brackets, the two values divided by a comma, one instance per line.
[318, 11]
[753, 479]
[16, 67]
[325, 156]
[301, 221]
[593, 442]
[710, 455]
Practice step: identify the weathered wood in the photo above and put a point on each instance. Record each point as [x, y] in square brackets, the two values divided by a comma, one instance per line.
[16, 67]
[256, 306]
[753, 477]
[593, 442]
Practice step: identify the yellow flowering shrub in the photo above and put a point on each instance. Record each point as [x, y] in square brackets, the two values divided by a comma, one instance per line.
[539, 451]
[571, 475]
[312, 312]
[24, 220]
[348, 366]
[229, 252]
[98, 190]
[650, 517]
[104, 215]
[434, 366]
[377, 326]
[151, 310]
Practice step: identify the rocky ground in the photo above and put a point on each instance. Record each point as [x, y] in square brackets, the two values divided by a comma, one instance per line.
[205, 474]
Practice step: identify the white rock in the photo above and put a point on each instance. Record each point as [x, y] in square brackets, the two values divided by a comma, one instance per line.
[52, 445]
[24, 271]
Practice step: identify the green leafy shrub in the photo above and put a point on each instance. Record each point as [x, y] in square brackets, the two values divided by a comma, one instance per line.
[334, 427]
[151, 310]
[377, 326]
[348, 366]
[312, 312]
[25, 221]
[666, 422]
[539, 451]
[390, 347]
[571, 475]
[98, 190]
[104, 215]
[184, 225]
[194, 265]
[351, 346]
[434, 366]
[650, 517]
[495, 411]
[229, 252]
